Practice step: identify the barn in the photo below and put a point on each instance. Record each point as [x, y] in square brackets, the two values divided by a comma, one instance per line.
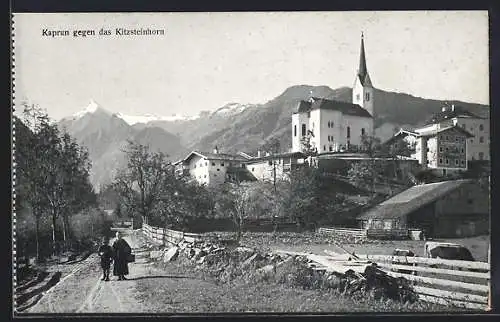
[448, 209]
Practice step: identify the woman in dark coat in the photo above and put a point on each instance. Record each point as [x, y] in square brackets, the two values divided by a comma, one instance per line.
[122, 252]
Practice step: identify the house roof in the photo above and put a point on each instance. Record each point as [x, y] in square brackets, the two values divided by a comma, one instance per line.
[214, 156]
[242, 173]
[326, 104]
[449, 113]
[441, 130]
[277, 156]
[401, 133]
[412, 199]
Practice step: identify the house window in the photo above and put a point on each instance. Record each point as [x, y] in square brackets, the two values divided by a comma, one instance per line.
[456, 138]
[462, 150]
[330, 148]
[303, 130]
[295, 130]
[447, 149]
[447, 138]
[481, 155]
[324, 147]
[206, 163]
[218, 169]
[270, 162]
[441, 137]
[447, 161]
[367, 96]
[428, 161]
[481, 127]
[253, 169]
[440, 149]
[331, 123]
[357, 97]
[348, 132]
[362, 131]
[428, 150]
[440, 161]
[456, 162]
[481, 139]
[213, 164]
[444, 172]
[328, 123]
[471, 141]
[463, 162]
[222, 164]
[204, 176]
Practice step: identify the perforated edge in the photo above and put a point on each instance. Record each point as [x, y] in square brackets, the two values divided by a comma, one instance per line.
[13, 163]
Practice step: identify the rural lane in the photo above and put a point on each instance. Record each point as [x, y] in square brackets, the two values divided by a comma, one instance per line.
[82, 290]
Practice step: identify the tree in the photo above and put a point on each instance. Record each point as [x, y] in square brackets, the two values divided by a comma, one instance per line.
[273, 146]
[147, 182]
[307, 146]
[367, 172]
[55, 170]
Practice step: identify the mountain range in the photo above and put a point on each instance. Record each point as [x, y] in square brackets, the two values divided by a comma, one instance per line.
[233, 127]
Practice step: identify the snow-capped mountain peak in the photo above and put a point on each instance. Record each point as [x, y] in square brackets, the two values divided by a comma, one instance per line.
[92, 107]
[146, 118]
[231, 109]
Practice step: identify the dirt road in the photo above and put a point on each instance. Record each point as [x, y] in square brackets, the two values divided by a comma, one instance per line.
[82, 291]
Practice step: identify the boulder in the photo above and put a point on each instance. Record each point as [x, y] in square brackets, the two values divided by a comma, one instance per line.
[267, 270]
[171, 254]
[155, 254]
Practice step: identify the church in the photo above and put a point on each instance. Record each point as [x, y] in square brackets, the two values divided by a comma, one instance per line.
[334, 126]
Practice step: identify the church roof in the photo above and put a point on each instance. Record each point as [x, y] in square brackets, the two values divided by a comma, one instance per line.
[326, 104]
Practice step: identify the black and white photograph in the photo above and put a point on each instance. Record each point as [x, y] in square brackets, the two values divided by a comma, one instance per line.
[251, 162]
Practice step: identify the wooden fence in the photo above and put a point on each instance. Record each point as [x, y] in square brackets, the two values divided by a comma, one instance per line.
[164, 235]
[449, 282]
[344, 231]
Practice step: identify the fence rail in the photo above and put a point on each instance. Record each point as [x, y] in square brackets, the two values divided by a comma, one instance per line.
[164, 235]
[344, 231]
[460, 283]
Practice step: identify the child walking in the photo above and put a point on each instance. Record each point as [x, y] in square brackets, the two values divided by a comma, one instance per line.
[106, 254]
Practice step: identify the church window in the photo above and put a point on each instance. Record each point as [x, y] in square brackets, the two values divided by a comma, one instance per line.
[367, 96]
[295, 130]
[481, 139]
[348, 132]
[357, 97]
[303, 130]
[481, 127]
[324, 147]
[362, 131]
[331, 123]
[328, 123]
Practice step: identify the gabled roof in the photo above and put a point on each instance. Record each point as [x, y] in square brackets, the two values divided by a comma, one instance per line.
[401, 133]
[214, 156]
[326, 104]
[445, 129]
[412, 199]
[277, 156]
[450, 113]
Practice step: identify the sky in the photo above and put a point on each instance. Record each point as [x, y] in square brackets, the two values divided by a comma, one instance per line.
[206, 60]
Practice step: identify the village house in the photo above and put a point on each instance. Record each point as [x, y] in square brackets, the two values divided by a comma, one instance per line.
[333, 126]
[455, 208]
[478, 147]
[212, 168]
[441, 149]
[272, 167]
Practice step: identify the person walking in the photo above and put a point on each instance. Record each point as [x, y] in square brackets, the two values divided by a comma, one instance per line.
[106, 253]
[122, 253]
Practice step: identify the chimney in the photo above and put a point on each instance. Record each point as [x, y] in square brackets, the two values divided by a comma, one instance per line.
[453, 107]
[258, 154]
[216, 150]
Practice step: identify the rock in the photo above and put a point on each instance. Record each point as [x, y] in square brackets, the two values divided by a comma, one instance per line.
[171, 254]
[266, 270]
[155, 254]
[250, 260]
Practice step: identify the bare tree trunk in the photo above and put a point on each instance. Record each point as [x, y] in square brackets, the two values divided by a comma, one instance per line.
[54, 246]
[37, 233]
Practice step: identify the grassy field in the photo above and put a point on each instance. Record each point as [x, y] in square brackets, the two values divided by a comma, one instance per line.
[317, 243]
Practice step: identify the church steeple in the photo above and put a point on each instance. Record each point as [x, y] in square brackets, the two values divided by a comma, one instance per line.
[363, 91]
[362, 70]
